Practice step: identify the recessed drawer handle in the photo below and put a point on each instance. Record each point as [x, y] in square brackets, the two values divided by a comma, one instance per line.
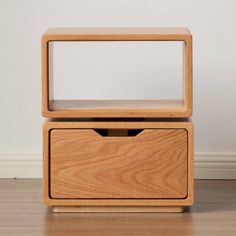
[118, 132]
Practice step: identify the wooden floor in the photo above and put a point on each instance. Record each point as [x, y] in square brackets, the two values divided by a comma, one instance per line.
[22, 213]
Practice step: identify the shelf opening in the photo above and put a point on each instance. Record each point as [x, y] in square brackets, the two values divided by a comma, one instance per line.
[115, 74]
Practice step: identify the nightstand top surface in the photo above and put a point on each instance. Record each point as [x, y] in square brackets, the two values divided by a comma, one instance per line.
[146, 33]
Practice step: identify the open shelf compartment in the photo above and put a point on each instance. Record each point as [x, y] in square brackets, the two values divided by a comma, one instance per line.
[133, 104]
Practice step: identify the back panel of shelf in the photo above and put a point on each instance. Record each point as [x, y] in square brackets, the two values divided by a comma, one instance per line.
[146, 70]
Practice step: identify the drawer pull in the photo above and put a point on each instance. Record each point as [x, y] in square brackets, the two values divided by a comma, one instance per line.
[118, 132]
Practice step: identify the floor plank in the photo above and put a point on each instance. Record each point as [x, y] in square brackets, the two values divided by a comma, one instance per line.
[23, 213]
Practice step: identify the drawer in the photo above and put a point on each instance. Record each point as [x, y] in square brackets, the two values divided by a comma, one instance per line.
[104, 163]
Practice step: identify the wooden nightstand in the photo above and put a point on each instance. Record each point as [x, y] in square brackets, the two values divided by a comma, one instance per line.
[118, 155]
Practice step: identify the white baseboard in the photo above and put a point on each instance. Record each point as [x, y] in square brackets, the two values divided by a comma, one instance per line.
[20, 165]
[207, 165]
[215, 166]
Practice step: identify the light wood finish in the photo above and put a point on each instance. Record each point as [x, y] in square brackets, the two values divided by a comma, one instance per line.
[117, 108]
[178, 108]
[213, 214]
[152, 164]
[117, 209]
[71, 149]
[116, 104]
[126, 33]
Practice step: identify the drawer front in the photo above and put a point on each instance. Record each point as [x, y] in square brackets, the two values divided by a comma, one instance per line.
[86, 165]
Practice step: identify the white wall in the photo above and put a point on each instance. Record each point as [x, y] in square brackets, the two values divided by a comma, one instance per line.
[212, 23]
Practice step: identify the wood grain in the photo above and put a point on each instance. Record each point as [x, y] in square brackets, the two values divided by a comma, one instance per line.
[213, 214]
[117, 108]
[125, 33]
[72, 152]
[64, 109]
[152, 164]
